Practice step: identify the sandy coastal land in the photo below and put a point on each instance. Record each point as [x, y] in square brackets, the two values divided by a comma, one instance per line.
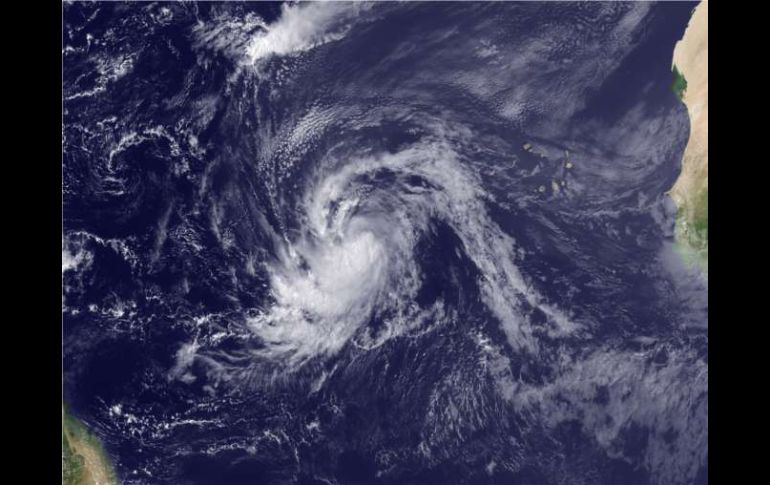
[690, 192]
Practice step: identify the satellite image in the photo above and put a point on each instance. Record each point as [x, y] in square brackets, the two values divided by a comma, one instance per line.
[385, 243]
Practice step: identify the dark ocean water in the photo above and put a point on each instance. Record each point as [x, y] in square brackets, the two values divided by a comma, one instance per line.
[380, 243]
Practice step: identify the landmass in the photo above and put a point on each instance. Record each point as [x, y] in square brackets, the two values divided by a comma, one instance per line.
[690, 192]
[84, 461]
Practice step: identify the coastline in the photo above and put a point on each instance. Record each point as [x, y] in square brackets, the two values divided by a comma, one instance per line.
[690, 191]
[84, 461]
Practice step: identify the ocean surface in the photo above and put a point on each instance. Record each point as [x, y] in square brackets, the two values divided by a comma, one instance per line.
[418, 243]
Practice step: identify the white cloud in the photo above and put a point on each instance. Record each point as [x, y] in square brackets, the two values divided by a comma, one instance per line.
[302, 27]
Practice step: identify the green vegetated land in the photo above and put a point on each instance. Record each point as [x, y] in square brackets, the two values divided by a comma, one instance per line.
[692, 217]
[71, 463]
[692, 229]
[679, 85]
[84, 461]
